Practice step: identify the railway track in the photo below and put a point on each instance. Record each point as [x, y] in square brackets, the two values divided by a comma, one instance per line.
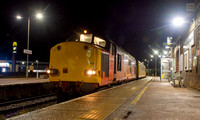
[15, 107]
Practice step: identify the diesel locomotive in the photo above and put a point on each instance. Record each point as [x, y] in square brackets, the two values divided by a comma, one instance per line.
[88, 62]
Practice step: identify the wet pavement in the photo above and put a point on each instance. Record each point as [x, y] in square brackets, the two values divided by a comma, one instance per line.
[161, 101]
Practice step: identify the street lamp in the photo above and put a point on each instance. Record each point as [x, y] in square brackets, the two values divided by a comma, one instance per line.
[146, 60]
[156, 53]
[178, 21]
[39, 16]
[37, 68]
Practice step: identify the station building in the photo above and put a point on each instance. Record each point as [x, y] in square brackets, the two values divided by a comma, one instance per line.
[186, 51]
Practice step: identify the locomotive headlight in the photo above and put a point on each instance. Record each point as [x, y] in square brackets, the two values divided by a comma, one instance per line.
[52, 71]
[90, 72]
[48, 71]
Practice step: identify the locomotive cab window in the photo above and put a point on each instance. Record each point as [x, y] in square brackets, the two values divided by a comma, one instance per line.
[86, 38]
[99, 41]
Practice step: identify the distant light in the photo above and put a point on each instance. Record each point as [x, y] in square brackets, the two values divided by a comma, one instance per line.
[165, 52]
[3, 70]
[151, 56]
[159, 56]
[178, 21]
[167, 47]
[22, 63]
[19, 17]
[36, 61]
[39, 16]
[145, 59]
[155, 52]
[163, 56]
[85, 31]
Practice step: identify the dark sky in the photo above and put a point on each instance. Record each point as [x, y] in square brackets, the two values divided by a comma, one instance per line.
[135, 25]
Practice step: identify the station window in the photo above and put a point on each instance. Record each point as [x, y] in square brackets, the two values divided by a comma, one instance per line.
[99, 41]
[86, 38]
[119, 62]
[186, 60]
[189, 59]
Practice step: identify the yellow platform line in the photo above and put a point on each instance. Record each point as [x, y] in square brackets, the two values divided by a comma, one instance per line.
[140, 94]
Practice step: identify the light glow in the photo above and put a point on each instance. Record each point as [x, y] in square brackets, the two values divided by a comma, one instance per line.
[155, 52]
[178, 21]
[39, 16]
[48, 71]
[165, 52]
[167, 47]
[90, 72]
[3, 70]
[19, 17]
[85, 31]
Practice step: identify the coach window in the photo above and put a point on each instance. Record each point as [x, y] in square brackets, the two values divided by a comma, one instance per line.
[119, 59]
[86, 38]
[99, 41]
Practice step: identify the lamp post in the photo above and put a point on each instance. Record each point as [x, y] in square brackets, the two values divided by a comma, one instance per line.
[39, 16]
[37, 69]
[146, 60]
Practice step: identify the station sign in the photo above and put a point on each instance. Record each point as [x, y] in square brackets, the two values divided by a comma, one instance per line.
[169, 40]
[27, 51]
[14, 47]
[4, 64]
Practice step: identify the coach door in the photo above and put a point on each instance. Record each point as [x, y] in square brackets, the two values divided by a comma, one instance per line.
[113, 52]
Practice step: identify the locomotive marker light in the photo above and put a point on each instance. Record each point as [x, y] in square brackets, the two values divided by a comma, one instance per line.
[39, 16]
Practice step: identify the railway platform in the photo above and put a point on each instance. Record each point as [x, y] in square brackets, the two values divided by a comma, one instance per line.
[16, 81]
[18, 88]
[146, 98]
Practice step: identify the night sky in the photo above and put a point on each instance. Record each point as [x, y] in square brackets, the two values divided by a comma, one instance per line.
[135, 25]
